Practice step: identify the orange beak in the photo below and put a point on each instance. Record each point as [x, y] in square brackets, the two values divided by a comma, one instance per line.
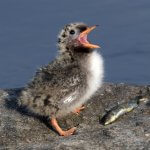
[83, 38]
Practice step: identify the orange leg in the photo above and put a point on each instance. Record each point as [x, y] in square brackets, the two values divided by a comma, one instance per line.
[59, 130]
[77, 110]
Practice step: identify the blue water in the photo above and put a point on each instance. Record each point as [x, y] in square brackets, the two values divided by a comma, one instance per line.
[28, 31]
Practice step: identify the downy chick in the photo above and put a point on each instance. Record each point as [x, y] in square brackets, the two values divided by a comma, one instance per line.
[66, 83]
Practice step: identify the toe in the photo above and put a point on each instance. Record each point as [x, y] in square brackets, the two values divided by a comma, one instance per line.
[68, 132]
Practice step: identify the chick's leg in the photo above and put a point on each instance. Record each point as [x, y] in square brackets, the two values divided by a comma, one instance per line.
[77, 110]
[59, 130]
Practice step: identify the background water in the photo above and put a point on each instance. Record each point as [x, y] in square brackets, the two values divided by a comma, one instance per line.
[28, 30]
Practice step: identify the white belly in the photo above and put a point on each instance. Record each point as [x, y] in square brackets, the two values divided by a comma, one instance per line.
[95, 76]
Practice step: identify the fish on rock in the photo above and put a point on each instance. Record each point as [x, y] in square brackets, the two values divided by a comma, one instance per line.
[119, 110]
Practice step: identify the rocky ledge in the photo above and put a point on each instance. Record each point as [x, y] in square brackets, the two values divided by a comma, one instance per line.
[23, 130]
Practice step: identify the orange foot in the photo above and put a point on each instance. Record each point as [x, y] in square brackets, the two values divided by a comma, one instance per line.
[59, 130]
[77, 110]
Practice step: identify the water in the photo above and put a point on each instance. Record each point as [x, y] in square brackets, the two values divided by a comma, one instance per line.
[28, 30]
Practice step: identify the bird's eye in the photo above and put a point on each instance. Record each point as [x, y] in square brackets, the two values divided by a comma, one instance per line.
[72, 32]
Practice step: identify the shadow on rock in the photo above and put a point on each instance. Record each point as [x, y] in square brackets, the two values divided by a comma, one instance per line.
[11, 102]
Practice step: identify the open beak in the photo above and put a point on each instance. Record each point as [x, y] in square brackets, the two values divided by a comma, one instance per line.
[83, 38]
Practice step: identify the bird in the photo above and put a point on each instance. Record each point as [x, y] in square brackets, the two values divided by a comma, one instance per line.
[66, 83]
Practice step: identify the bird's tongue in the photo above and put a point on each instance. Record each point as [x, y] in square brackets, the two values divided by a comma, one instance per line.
[83, 38]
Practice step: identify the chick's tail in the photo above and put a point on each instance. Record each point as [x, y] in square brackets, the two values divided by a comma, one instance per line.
[25, 98]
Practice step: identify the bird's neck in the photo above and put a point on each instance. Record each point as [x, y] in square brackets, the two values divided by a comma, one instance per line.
[75, 55]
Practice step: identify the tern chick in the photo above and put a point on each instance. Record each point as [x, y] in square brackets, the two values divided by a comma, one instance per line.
[66, 83]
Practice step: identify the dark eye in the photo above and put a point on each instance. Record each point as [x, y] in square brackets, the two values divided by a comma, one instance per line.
[72, 32]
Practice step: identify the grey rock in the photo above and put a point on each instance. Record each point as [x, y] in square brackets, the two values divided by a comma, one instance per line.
[23, 130]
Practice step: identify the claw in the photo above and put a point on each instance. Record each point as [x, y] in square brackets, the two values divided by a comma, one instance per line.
[68, 132]
[77, 110]
[59, 130]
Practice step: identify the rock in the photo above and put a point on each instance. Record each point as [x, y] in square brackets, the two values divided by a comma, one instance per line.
[23, 130]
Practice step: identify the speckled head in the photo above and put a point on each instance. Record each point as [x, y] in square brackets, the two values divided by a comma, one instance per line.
[74, 37]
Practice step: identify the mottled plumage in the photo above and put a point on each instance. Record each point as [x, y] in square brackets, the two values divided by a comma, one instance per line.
[67, 82]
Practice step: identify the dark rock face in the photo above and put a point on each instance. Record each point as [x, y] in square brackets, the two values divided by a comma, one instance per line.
[21, 129]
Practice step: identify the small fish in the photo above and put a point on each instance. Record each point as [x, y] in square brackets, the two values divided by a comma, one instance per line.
[120, 110]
